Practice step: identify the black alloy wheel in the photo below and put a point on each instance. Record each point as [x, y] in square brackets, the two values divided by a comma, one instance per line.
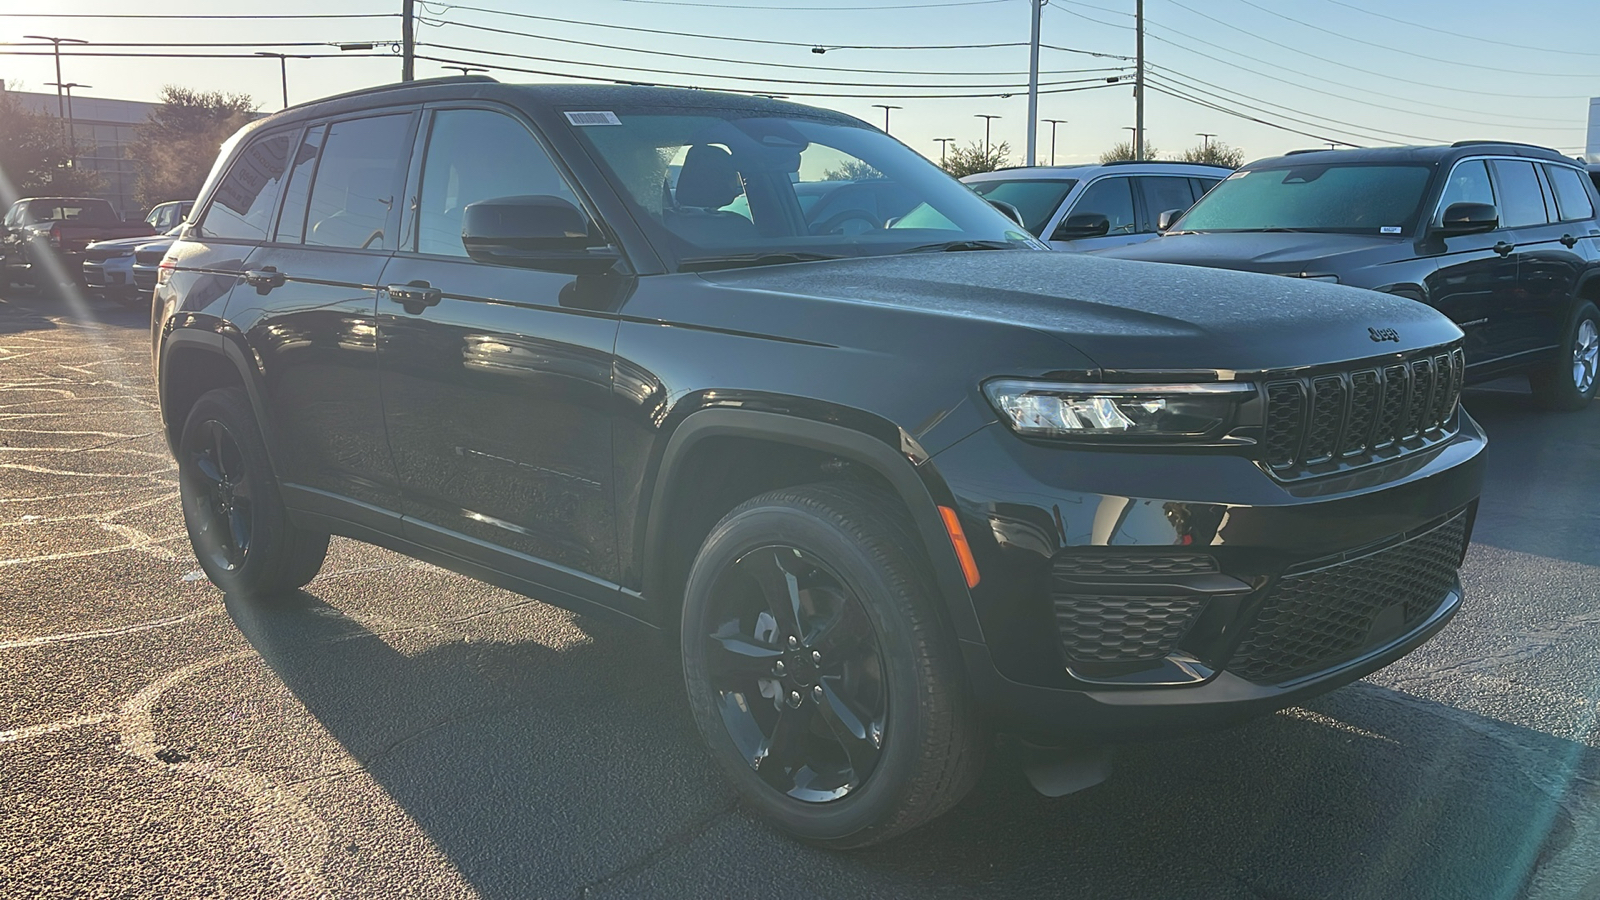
[820, 668]
[237, 524]
[798, 673]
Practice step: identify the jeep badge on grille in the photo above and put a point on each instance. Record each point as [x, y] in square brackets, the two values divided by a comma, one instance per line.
[1383, 334]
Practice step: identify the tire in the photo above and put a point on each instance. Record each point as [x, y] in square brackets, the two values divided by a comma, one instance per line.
[864, 724]
[232, 508]
[1568, 382]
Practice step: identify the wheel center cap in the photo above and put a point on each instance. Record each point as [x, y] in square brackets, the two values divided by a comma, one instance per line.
[801, 668]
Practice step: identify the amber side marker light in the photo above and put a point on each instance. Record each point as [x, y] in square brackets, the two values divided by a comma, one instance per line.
[958, 540]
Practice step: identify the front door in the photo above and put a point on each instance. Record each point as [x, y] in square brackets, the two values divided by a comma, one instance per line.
[1474, 281]
[497, 385]
[1111, 197]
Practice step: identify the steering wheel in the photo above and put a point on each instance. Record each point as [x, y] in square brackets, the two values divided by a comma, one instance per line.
[833, 223]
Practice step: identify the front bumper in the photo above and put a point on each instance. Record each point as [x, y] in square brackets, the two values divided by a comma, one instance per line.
[114, 275]
[1140, 593]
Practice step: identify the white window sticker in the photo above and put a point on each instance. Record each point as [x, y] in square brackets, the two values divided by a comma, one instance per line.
[593, 118]
[1389, 229]
[1236, 175]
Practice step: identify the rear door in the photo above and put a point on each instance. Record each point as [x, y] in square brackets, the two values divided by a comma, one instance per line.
[497, 396]
[308, 306]
[1160, 193]
[1547, 269]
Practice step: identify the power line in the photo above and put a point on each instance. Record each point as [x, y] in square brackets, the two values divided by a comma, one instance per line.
[184, 16]
[1360, 131]
[181, 45]
[854, 8]
[1457, 34]
[199, 55]
[1235, 113]
[763, 79]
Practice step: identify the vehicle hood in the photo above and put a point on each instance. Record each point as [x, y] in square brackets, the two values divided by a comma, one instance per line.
[1118, 313]
[1271, 252]
[162, 245]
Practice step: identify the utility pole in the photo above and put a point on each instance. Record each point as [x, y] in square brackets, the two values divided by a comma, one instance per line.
[1138, 87]
[1205, 140]
[1053, 124]
[886, 107]
[1033, 83]
[943, 143]
[61, 106]
[986, 120]
[72, 125]
[408, 40]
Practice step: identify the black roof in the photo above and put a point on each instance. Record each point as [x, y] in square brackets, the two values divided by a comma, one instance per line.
[1432, 155]
[557, 96]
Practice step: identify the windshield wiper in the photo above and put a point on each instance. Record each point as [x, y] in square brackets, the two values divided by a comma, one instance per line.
[712, 263]
[954, 246]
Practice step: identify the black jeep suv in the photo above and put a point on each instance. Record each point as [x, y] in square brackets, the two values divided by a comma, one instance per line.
[1499, 237]
[895, 481]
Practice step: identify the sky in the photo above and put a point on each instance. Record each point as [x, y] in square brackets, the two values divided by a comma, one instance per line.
[1365, 72]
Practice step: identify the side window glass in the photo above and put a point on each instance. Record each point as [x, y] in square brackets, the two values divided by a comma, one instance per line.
[1521, 199]
[1109, 197]
[1572, 196]
[352, 197]
[475, 155]
[1203, 185]
[292, 221]
[242, 208]
[1469, 183]
[1162, 194]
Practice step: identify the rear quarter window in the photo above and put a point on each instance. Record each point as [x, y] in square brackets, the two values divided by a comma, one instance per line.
[241, 209]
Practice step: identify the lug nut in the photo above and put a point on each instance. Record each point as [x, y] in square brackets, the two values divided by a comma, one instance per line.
[816, 656]
[793, 642]
[794, 698]
[817, 692]
[777, 667]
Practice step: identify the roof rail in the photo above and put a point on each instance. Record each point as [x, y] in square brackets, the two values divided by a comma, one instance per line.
[1502, 144]
[1159, 162]
[420, 82]
[1308, 150]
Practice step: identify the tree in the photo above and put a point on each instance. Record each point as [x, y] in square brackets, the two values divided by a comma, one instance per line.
[33, 155]
[177, 144]
[852, 170]
[1216, 153]
[1124, 151]
[975, 158]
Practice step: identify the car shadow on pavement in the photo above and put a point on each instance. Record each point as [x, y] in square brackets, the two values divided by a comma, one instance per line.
[576, 771]
[28, 310]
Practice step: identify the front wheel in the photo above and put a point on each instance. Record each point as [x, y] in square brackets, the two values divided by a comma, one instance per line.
[236, 521]
[819, 670]
[1569, 381]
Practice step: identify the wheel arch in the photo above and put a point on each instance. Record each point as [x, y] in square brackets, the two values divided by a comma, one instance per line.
[194, 361]
[670, 531]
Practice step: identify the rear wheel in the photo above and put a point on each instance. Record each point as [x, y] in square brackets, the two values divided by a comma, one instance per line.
[235, 517]
[819, 670]
[1569, 381]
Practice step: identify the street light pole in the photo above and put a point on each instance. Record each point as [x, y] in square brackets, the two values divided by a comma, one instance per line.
[1205, 140]
[886, 107]
[283, 67]
[1033, 83]
[987, 119]
[72, 125]
[943, 143]
[61, 107]
[1053, 124]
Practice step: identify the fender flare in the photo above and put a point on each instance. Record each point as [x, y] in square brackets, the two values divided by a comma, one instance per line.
[911, 484]
[216, 344]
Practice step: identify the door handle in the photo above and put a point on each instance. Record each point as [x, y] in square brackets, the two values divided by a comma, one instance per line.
[1569, 241]
[1503, 248]
[415, 296]
[264, 279]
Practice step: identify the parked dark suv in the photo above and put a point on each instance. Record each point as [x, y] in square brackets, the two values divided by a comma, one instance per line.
[1499, 237]
[895, 479]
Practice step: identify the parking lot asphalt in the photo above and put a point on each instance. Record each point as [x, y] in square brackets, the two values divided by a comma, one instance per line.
[395, 730]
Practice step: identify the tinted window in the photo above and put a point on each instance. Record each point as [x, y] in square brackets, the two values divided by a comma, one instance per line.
[85, 212]
[352, 198]
[1036, 199]
[1202, 185]
[242, 208]
[477, 155]
[1572, 196]
[1347, 199]
[1469, 183]
[1109, 197]
[1162, 194]
[292, 221]
[1521, 199]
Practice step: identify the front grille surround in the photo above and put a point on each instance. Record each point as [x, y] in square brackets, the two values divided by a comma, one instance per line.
[1330, 421]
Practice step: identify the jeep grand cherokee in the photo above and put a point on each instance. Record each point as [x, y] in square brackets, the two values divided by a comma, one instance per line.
[895, 480]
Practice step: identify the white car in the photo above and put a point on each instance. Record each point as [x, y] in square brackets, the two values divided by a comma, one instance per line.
[1092, 207]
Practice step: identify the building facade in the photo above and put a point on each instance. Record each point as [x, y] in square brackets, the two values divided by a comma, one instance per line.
[101, 134]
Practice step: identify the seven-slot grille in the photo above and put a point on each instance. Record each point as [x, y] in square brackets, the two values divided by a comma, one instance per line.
[1343, 417]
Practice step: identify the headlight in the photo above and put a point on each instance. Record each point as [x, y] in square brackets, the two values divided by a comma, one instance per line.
[1053, 409]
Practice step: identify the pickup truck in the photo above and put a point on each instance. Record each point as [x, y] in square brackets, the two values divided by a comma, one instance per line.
[43, 238]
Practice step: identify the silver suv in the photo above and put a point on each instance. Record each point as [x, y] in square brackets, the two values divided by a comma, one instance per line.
[1092, 207]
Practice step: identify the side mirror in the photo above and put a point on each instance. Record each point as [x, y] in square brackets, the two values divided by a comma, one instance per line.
[1011, 212]
[1082, 225]
[1468, 218]
[534, 232]
[1167, 217]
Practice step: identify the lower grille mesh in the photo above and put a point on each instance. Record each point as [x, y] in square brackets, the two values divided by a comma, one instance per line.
[1314, 620]
[1122, 629]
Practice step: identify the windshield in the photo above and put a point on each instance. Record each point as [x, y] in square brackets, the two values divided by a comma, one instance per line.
[81, 212]
[719, 186]
[1344, 199]
[1036, 198]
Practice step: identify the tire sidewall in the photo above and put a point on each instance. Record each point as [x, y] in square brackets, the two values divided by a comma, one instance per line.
[881, 793]
[223, 406]
[1585, 312]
